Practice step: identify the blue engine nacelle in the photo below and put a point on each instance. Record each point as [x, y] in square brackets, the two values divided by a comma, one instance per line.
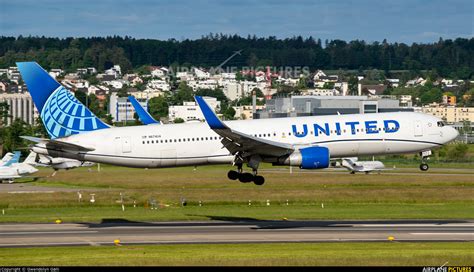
[308, 158]
[314, 157]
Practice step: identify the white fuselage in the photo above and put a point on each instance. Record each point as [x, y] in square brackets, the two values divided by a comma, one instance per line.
[362, 166]
[16, 170]
[196, 144]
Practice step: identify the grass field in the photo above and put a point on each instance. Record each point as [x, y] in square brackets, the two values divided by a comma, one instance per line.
[288, 254]
[400, 194]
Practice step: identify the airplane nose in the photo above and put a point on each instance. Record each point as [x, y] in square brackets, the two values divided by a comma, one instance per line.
[453, 133]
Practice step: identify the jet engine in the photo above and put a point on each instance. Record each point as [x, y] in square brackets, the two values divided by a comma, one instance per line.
[308, 158]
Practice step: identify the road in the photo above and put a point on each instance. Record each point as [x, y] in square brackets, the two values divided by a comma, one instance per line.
[234, 230]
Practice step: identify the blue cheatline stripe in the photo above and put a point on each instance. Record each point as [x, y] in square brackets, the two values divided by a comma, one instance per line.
[380, 140]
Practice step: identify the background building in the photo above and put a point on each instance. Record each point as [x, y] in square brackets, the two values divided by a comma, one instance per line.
[122, 110]
[20, 106]
[327, 105]
[190, 111]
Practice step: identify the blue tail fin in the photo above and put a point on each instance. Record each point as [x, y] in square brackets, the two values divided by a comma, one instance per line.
[61, 112]
[14, 159]
[144, 116]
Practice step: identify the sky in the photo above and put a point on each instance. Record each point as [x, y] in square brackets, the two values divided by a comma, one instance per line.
[407, 21]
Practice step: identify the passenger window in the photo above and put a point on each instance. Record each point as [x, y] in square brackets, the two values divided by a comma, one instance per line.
[440, 124]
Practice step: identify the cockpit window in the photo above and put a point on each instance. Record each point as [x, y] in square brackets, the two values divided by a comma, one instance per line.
[440, 124]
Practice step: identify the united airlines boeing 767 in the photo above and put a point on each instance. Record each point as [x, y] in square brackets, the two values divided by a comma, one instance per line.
[307, 142]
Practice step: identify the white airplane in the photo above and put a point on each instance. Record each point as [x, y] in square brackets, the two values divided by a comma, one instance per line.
[307, 142]
[12, 169]
[58, 163]
[7, 158]
[354, 165]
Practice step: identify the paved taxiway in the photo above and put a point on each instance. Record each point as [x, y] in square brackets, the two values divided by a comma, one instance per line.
[235, 231]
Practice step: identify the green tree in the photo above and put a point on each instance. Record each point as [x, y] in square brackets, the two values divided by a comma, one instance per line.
[158, 107]
[458, 152]
[184, 93]
[178, 120]
[4, 112]
[430, 96]
[11, 135]
[353, 85]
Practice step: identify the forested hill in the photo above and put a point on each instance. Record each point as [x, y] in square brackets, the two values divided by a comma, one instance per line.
[454, 58]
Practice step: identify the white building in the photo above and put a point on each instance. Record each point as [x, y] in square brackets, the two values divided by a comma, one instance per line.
[394, 82]
[56, 72]
[20, 106]
[237, 90]
[201, 74]
[158, 84]
[159, 72]
[116, 71]
[246, 112]
[122, 110]
[203, 84]
[117, 84]
[189, 111]
[320, 92]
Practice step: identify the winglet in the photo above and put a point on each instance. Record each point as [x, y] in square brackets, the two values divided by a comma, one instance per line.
[14, 159]
[211, 118]
[144, 116]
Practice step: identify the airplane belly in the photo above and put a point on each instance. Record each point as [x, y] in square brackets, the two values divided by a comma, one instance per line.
[377, 147]
[168, 157]
[343, 149]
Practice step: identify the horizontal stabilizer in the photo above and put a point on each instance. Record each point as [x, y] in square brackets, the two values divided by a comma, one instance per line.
[56, 144]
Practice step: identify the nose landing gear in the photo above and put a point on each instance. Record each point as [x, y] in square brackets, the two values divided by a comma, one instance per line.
[425, 156]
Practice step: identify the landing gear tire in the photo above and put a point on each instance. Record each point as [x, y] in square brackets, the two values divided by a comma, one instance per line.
[245, 177]
[424, 167]
[258, 180]
[233, 175]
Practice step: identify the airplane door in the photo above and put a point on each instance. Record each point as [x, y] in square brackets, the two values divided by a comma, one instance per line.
[418, 128]
[126, 144]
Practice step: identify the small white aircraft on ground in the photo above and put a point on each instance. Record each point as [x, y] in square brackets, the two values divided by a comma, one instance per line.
[13, 169]
[354, 165]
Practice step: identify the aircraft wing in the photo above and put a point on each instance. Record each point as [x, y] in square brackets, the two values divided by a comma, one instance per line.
[59, 145]
[236, 141]
[9, 177]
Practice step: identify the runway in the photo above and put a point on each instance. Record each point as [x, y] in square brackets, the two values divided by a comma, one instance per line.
[234, 231]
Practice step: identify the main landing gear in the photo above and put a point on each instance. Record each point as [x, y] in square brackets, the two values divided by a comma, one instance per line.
[425, 156]
[246, 177]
